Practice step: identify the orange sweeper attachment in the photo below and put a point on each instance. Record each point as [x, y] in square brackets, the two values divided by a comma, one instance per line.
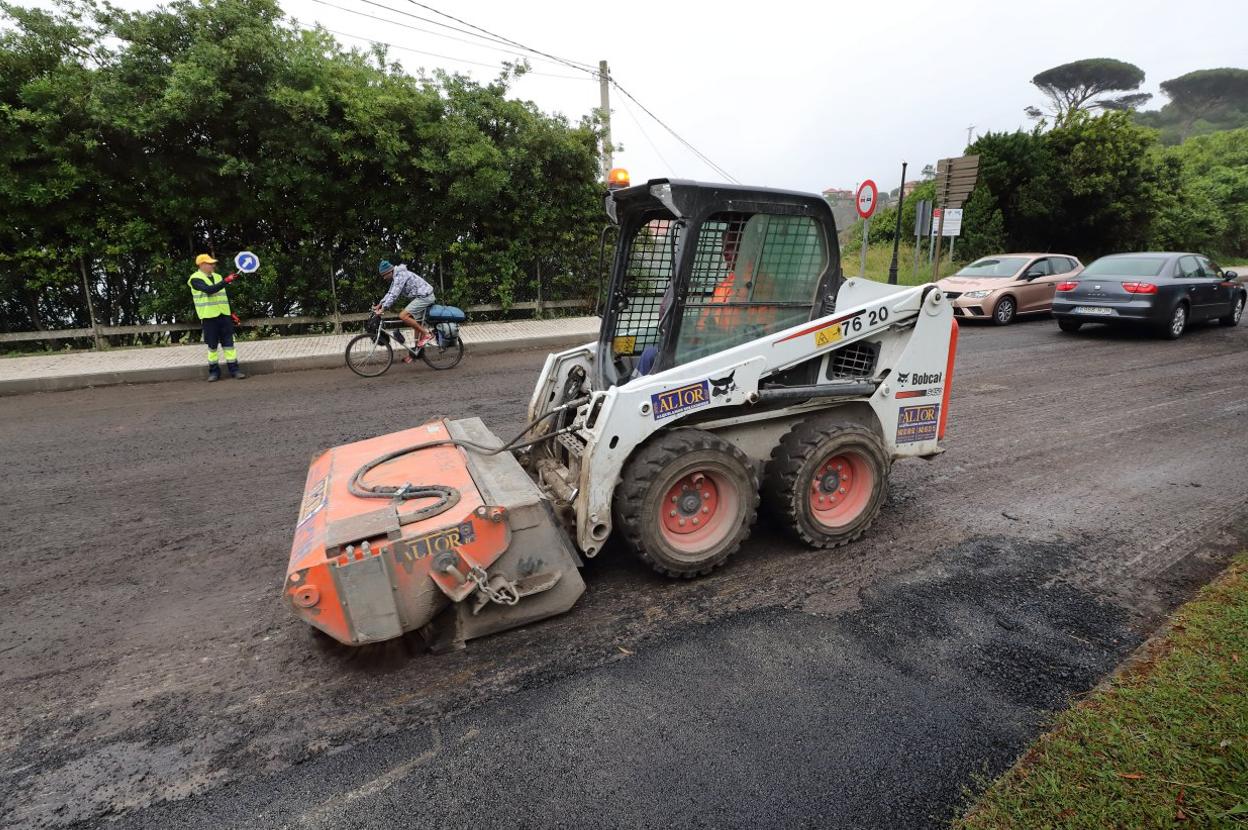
[375, 556]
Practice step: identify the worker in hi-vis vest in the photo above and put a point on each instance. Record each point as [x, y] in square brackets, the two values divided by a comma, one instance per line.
[212, 305]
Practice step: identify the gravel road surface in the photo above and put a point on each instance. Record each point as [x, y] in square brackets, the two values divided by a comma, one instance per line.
[152, 678]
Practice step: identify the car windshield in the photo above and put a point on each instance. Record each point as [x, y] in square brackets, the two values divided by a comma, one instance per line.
[1125, 266]
[998, 266]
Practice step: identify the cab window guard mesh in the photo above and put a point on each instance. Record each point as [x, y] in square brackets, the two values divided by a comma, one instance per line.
[647, 277]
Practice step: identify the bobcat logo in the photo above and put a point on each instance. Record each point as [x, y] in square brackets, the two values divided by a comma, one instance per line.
[724, 385]
[902, 377]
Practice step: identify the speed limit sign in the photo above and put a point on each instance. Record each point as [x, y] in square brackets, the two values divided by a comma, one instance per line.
[865, 198]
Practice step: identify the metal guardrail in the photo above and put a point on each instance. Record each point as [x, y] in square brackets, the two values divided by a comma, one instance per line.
[261, 322]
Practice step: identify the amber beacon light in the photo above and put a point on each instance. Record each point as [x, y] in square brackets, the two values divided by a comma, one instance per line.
[617, 178]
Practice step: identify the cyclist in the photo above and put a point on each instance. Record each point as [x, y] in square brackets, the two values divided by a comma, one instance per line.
[404, 282]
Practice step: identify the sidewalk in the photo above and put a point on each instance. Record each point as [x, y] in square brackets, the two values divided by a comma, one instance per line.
[77, 370]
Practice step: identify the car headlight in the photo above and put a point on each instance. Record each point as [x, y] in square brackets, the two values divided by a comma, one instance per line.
[975, 295]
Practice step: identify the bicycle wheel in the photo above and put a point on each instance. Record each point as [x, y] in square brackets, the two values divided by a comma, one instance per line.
[368, 358]
[443, 357]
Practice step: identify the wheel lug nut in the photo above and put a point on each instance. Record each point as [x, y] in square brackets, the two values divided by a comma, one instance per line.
[673, 499]
[695, 520]
[842, 491]
[706, 510]
[672, 513]
[682, 522]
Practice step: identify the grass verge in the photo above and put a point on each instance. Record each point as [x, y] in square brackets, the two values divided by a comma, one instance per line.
[1163, 744]
[879, 257]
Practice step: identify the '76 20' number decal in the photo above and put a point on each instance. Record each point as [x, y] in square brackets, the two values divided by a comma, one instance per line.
[833, 330]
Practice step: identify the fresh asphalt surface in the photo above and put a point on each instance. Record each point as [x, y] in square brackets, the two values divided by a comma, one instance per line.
[152, 678]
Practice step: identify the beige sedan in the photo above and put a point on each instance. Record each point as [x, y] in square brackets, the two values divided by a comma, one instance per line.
[1001, 287]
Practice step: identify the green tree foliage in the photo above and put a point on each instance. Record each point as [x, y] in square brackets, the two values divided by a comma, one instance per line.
[1100, 184]
[1210, 211]
[133, 140]
[1083, 85]
[1201, 102]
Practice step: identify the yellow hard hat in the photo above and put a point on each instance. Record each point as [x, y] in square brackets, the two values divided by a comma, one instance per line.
[202, 258]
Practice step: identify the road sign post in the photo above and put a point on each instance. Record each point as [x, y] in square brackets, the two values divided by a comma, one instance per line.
[864, 201]
[922, 227]
[955, 179]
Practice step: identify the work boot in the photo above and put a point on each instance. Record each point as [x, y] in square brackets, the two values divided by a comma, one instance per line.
[214, 373]
[237, 373]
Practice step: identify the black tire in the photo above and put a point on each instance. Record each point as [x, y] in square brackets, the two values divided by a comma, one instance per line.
[1237, 311]
[367, 358]
[443, 357]
[1173, 328]
[807, 460]
[645, 505]
[1004, 312]
[1069, 325]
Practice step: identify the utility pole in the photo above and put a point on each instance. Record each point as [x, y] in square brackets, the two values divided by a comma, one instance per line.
[968, 135]
[604, 92]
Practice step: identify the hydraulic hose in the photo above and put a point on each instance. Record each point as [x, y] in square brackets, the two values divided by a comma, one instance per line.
[447, 496]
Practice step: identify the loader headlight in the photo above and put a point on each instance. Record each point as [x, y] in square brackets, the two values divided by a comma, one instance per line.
[975, 295]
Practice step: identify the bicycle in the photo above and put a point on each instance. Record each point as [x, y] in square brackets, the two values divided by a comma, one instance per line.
[371, 354]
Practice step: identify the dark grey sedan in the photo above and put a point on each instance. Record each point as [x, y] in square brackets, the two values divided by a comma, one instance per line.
[1164, 291]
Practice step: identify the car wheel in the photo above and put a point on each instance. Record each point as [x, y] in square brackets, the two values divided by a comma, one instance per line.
[1173, 328]
[1237, 311]
[1004, 313]
[1070, 325]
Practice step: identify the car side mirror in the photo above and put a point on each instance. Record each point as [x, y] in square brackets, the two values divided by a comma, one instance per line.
[1031, 275]
[1230, 275]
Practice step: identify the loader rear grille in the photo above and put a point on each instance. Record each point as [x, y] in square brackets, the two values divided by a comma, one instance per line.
[856, 360]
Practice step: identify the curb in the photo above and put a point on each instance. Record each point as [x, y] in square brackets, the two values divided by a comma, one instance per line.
[162, 374]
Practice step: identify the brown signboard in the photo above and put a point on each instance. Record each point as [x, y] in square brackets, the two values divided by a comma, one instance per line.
[955, 179]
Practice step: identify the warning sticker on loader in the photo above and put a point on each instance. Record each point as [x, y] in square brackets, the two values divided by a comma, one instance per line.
[917, 423]
[675, 401]
[829, 335]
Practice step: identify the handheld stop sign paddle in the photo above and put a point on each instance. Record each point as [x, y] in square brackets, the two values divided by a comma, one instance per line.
[246, 262]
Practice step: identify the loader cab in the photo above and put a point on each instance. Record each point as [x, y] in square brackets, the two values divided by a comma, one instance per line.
[700, 268]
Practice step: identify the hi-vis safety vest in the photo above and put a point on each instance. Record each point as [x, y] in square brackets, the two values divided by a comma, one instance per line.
[208, 306]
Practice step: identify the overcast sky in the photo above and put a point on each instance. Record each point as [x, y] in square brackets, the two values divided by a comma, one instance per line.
[802, 95]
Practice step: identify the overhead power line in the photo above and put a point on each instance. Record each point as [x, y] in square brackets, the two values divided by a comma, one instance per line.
[646, 135]
[478, 44]
[443, 57]
[584, 67]
[592, 71]
[721, 171]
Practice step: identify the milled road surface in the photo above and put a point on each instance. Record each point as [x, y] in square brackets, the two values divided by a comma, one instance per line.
[152, 678]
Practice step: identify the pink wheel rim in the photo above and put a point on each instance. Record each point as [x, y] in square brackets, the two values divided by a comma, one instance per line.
[840, 489]
[698, 511]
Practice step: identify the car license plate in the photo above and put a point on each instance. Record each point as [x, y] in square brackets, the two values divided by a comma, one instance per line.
[1093, 309]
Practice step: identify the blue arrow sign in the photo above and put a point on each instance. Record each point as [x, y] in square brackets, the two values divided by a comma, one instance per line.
[247, 262]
